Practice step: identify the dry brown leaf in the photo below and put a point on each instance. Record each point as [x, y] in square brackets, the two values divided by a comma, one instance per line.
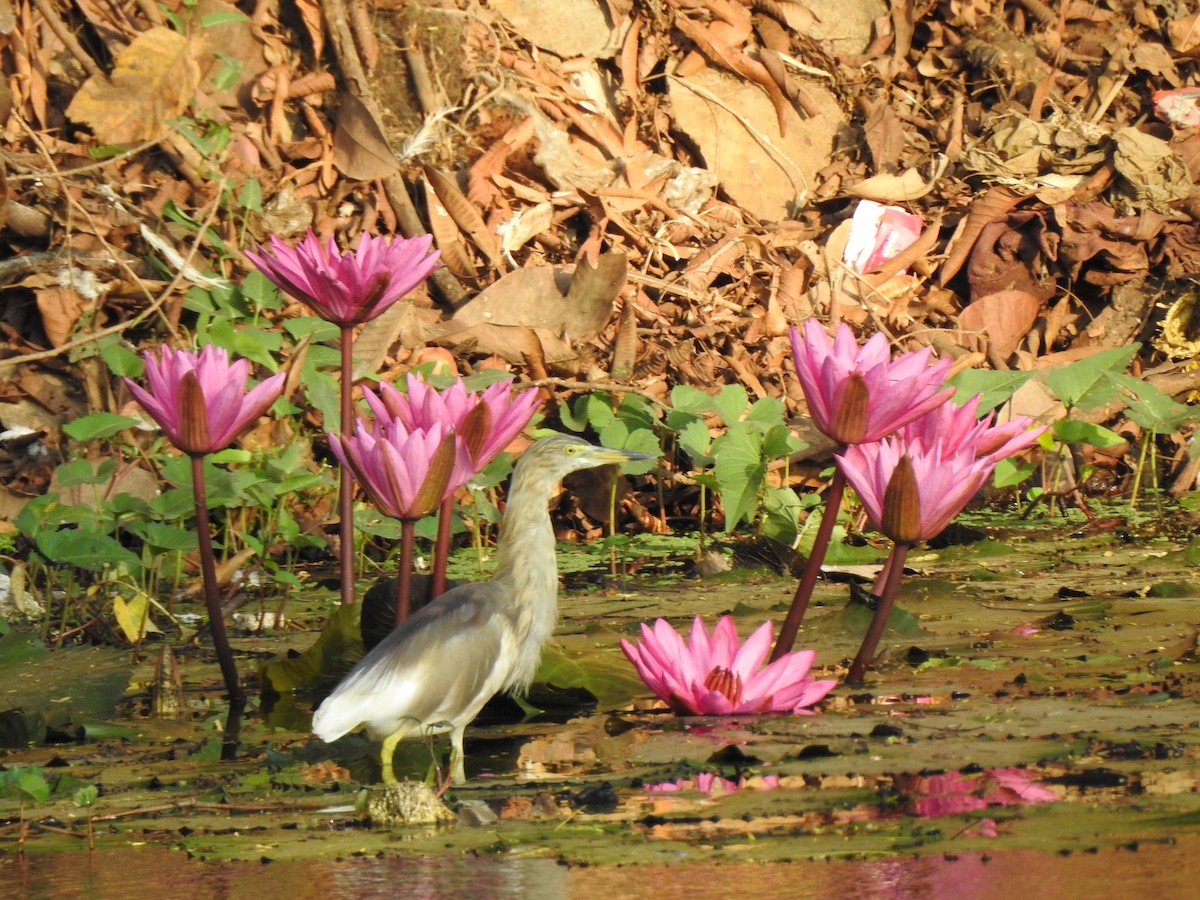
[566, 28]
[549, 297]
[888, 188]
[534, 347]
[738, 62]
[1005, 317]
[154, 80]
[730, 121]
[60, 309]
[446, 236]
[375, 340]
[986, 209]
[314, 26]
[464, 214]
[1184, 33]
[360, 148]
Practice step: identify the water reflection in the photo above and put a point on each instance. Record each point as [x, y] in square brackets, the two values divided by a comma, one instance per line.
[1128, 871]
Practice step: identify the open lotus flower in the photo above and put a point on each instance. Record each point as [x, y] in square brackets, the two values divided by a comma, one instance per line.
[857, 394]
[719, 675]
[487, 420]
[912, 491]
[200, 399]
[956, 427]
[406, 473]
[347, 288]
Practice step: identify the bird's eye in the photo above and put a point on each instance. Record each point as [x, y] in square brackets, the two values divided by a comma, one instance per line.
[571, 450]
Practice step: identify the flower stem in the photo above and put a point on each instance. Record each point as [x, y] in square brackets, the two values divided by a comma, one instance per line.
[887, 597]
[346, 484]
[212, 597]
[812, 568]
[404, 574]
[441, 550]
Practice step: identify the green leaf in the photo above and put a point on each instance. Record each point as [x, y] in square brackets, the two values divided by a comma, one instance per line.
[740, 470]
[86, 795]
[223, 17]
[1149, 407]
[618, 436]
[170, 537]
[781, 510]
[98, 425]
[322, 392]
[574, 416]
[335, 650]
[696, 441]
[730, 402]
[303, 326]
[610, 679]
[31, 782]
[1083, 384]
[1010, 472]
[251, 195]
[84, 471]
[780, 442]
[122, 361]
[89, 550]
[688, 399]
[599, 410]
[996, 387]
[766, 413]
[1072, 431]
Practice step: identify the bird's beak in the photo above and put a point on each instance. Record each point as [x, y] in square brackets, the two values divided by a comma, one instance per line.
[606, 455]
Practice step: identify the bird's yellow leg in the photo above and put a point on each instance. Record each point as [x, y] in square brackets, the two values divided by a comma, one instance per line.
[458, 770]
[386, 752]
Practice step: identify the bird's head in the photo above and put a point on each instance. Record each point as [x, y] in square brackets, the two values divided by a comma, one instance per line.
[552, 457]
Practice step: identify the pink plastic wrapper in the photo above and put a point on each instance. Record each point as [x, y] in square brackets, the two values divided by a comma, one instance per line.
[1179, 107]
[878, 233]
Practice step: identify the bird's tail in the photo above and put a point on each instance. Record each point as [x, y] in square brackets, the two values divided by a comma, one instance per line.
[332, 720]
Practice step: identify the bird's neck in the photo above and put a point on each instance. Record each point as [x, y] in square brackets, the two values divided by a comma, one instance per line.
[527, 562]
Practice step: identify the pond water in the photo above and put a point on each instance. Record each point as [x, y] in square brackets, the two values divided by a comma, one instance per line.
[1070, 659]
[1164, 869]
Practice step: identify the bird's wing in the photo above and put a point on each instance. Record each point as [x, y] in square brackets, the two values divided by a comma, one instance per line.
[438, 666]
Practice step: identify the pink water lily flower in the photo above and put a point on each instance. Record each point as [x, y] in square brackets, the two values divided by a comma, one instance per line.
[487, 420]
[952, 793]
[352, 287]
[955, 427]
[200, 399]
[910, 491]
[406, 473]
[859, 393]
[718, 675]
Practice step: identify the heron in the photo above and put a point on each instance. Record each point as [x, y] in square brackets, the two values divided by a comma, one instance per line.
[438, 668]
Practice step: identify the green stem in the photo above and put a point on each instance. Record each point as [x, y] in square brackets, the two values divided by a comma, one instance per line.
[812, 568]
[212, 596]
[887, 597]
[346, 484]
[441, 550]
[404, 573]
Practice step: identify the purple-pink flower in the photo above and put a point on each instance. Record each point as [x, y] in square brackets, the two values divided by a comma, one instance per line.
[718, 675]
[911, 491]
[200, 399]
[952, 793]
[487, 420]
[710, 782]
[955, 427]
[406, 473]
[857, 394]
[352, 287]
